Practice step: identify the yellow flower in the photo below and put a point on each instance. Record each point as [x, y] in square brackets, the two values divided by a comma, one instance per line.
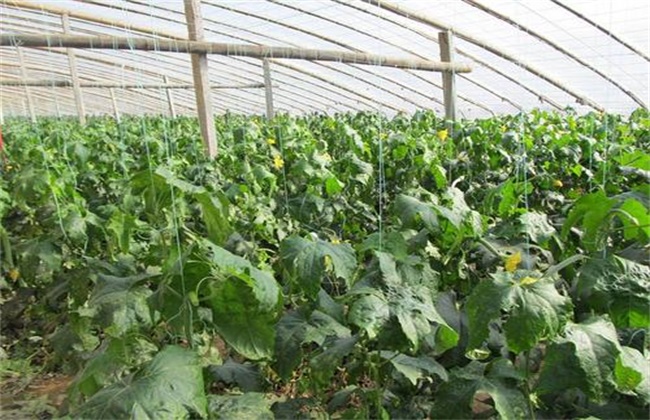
[14, 274]
[527, 280]
[512, 262]
[558, 184]
[278, 163]
[443, 134]
[327, 157]
[336, 241]
[270, 141]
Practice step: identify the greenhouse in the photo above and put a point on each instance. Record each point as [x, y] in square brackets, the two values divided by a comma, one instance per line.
[346, 209]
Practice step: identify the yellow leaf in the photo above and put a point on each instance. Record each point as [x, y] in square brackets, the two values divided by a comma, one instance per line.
[527, 281]
[278, 162]
[513, 261]
[557, 183]
[443, 134]
[336, 241]
[270, 141]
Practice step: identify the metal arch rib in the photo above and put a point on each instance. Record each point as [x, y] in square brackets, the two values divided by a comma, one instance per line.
[602, 29]
[460, 51]
[479, 43]
[555, 46]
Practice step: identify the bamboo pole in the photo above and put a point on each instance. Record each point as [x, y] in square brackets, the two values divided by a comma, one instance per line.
[170, 98]
[67, 83]
[233, 50]
[28, 93]
[116, 110]
[72, 60]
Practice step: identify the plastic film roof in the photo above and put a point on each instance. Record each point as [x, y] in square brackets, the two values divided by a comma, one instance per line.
[584, 54]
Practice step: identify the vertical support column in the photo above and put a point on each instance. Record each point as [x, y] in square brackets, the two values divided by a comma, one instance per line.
[170, 98]
[116, 110]
[446, 42]
[72, 59]
[201, 78]
[28, 92]
[268, 89]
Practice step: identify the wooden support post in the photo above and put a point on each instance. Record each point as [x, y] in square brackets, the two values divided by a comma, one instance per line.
[72, 59]
[268, 89]
[170, 98]
[116, 110]
[28, 92]
[201, 78]
[446, 42]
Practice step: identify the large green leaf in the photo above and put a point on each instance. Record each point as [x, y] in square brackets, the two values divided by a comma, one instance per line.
[215, 215]
[590, 212]
[325, 363]
[370, 313]
[311, 260]
[170, 386]
[410, 210]
[455, 398]
[632, 373]
[121, 303]
[245, 304]
[619, 287]
[534, 307]
[584, 358]
[415, 368]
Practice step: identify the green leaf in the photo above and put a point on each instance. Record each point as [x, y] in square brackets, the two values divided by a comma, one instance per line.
[325, 363]
[170, 386]
[636, 222]
[535, 310]
[636, 159]
[619, 287]
[583, 358]
[411, 211]
[455, 398]
[244, 375]
[632, 373]
[121, 226]
[244, 305]
[290, 335]
[590, 212]
[215, 216]
[121, 303]
[370, 313]
[415, 368]
[240, 407]
[311, 260]
[333, 186]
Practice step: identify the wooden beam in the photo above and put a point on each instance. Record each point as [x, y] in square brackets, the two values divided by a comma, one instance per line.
[170, 98]
[446, 42]
[201, 75]
[67, 83]
[28, 92]
[72, 59]
[268, 89]
[234, 50]
[116, 110]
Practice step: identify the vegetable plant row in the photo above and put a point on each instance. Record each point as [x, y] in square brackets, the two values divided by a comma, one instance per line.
[347, 266]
